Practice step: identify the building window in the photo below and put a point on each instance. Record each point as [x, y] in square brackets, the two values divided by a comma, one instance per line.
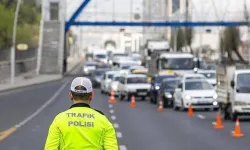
[54, 11]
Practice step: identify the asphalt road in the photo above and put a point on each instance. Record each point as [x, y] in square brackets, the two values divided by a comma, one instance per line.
[140, 128]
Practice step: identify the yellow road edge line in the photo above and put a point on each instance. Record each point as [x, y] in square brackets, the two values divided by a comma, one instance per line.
[4, 134]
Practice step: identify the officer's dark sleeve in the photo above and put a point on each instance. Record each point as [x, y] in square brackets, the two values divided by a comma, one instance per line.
[53, 139]
[110, 141]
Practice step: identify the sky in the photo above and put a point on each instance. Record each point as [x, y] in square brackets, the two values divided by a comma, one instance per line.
[206, 10]
[202, 9]
[103, 9]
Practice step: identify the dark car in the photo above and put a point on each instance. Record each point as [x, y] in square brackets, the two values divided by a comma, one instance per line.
[97, 75]
[167, 89]
[155, 86]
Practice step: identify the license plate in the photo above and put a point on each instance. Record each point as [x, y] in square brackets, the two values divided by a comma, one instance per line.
[201, 102]
[142, 93]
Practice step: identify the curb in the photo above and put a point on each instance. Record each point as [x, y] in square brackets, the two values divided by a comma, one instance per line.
[74, 67]
[41, 82]
[30, 85]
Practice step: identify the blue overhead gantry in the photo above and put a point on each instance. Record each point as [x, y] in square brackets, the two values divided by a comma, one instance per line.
[73, 21]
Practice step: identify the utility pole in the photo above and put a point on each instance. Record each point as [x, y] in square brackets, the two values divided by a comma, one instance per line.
[246, 15]
[13, 48]
[39, 53]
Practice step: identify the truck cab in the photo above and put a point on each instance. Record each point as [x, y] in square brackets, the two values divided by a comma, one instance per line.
[178, 62]
[233, 89]
[155, 46]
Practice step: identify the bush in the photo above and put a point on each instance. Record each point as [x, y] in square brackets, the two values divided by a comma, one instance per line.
[28, 23]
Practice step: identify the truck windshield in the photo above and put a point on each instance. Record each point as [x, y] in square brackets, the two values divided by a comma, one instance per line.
[135, 80]
[100, 56]
[125, 67]
[99, 73]
[110, 76]
[198, 85]
[177, 63]
[243, 83]
[116, 78]
[120, 55]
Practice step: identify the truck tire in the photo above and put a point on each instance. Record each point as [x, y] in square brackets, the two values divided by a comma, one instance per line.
[143, 98]
[224, 111]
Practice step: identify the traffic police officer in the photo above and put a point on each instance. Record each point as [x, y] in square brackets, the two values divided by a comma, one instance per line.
[81, 127]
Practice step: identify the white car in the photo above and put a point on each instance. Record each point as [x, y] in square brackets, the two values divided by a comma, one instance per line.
[210, 75]
[113, 85]
[192, 77]
[197, 92]
[133, 84]
[89, 67]
[107, 78]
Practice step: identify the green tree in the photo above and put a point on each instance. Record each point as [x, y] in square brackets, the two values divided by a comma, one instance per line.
[180, 39]
[229, 43]
[189, 34]
[28, 22]
[6, 26]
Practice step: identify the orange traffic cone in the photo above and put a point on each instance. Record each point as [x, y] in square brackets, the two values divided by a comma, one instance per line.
[133, 103]
[160, 108]
[237, 132]
[218, 124]
[190, 111]
[112, 98]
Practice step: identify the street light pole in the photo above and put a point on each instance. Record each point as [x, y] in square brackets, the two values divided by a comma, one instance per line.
[13, 48]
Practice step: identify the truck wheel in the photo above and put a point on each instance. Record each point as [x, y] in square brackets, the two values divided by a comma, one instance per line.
[225, 112]
[143, 98]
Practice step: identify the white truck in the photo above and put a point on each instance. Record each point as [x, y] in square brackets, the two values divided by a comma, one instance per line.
[178, 62]
[153, 46]
[233, 90]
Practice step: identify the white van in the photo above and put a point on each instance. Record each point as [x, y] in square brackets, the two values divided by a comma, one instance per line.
[233, 89]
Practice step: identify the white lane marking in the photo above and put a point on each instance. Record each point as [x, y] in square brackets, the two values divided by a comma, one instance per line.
[110, 106]
[213, 123]
[111, 111]
[43, 106]
[232, 132]
[201, 116]
[122, 147]
[119, 134]
[113, 117]
[116, 125]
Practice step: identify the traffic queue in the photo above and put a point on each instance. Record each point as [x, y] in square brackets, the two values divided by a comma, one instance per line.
[170, 78]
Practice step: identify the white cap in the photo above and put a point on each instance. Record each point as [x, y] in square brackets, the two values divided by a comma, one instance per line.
[81, 81]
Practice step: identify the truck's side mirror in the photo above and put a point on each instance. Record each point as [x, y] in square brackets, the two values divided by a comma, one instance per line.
[232, 84]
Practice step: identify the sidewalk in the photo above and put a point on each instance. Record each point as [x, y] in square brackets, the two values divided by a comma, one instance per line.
[31, 78]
